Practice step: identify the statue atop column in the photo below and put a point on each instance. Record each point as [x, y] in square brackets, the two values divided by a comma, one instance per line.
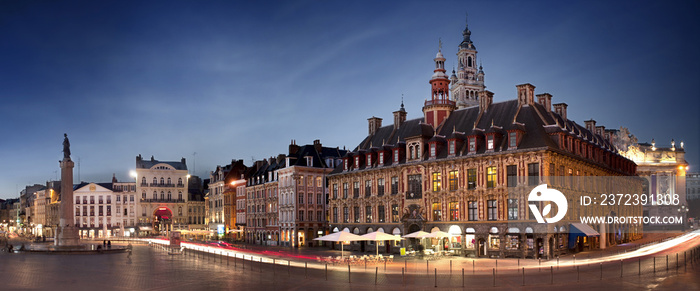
[66, 147]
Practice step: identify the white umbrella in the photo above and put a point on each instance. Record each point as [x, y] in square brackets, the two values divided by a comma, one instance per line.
[340, 236]
[417, 234]
[379, 236]
[437, 234]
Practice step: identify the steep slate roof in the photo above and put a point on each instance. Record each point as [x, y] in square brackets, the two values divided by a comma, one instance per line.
[500, 117]
[318, 157]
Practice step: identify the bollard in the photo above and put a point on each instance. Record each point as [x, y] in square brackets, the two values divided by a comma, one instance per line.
[639, 266]
[472, 266]
[667, 263]
[601, 271]
[450, 267]
[557, 263]
[578, 274]
[365, 264]
[462, 277]
[405, 265]
[427, 269]
[574, 260]
[494, 277]
[621, 267]
[654, 265]
[523, 276]
[289, 268]
[496, 264]
[376, 270]
[306, 266]
[348, 273]
[435, 277]
[326, 271]
[403, 277]
[551, 275]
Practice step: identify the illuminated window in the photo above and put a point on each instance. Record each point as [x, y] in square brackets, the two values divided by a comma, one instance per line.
[394, 213]
[437, 182]
[489, 142]
[380, 213]
[437, 211]
[490, 177]
[512, 209]
[454, 211]
[454, 180]
[368, 214]
[471, 178]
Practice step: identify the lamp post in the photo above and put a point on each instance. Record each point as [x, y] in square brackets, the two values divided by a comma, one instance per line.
[683, 212]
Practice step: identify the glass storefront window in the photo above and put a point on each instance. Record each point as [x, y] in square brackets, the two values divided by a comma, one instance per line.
[530, 243]
[512, 242]
[494, 242]
[470, 241]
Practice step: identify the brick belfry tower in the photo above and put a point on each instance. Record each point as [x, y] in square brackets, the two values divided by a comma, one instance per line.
[67, 232]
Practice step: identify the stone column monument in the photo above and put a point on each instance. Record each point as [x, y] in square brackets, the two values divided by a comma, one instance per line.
[67, 232]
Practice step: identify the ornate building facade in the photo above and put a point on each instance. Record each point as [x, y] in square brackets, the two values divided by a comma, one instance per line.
[469, 171]
[162, 189]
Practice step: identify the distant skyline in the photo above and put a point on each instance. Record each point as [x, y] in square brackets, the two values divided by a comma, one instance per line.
[241, 80]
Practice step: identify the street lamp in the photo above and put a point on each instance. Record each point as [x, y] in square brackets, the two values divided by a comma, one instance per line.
[682, 211]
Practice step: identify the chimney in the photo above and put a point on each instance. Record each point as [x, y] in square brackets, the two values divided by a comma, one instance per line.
[293, 148]
[318, 146]
[560, 108]
[545, 99]
[485, 100]
[114, 178]
[374, 124]
[600, 130]
[399, 117]
[590, 125]
[526, 94]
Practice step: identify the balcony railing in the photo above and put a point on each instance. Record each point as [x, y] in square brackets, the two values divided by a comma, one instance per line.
[439, 102]
[164, 200]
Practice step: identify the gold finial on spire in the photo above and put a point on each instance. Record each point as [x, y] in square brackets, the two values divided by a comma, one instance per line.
[440, 44]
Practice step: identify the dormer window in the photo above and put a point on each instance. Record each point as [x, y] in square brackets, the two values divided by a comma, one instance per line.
[381, 158]
[345, 164]
[357, 162]
[433, 150]
[489, 142]
[369, 160]
[309, 161]
[472, 144]
[396, 156]
[512, 139]
[452, 147]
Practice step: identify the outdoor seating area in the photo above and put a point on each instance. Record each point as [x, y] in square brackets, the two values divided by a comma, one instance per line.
[356, 260]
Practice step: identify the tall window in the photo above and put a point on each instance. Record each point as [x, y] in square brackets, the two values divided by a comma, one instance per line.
[489, 142]
[437, 211]
[346, 215]
[301, 198]
[380, 187]
[319, 200]
[490, 177]
[492, 209]
[394, 213]
[512, 141]
[471, 178]
[381, 158]
[301, 215]
[396, 156]
[433, 147]
[533, 174]
[368, 188]
[335, 191]
[345, 190]
[472, 144]
[170, 195]
[335, 214]
[368, 214]
[473, 211]
[512, 209]
[394, 185]
[356, 189]
[356, 214]
[415, 189]
[437, 181]
[454, 180]
[454, 211]
[310, 201]
[512, 175]
[451, 147]
[380, 214]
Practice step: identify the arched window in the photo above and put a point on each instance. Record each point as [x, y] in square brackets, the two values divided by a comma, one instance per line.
[162, 195]
[179, 195]
[469, 61]
[155, 180]
[179, 181]
[179, 210]
[143, 180]
[170, 196]
[169, 183]
[155, 195]
[143, 195]
[162, 181]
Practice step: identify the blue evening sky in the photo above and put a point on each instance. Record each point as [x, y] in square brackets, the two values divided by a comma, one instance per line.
[241, 80]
